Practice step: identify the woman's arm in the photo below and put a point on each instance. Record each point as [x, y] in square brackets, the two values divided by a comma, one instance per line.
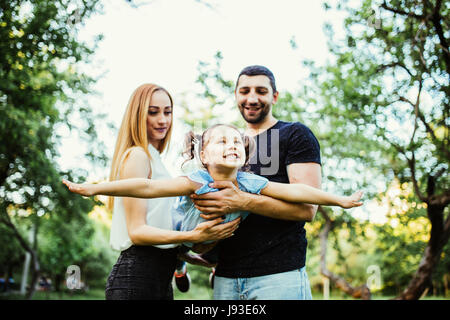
[136, 187]
[298, 192]
[143, 234]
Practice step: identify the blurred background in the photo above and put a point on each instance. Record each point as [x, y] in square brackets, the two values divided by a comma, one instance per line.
[370, 78]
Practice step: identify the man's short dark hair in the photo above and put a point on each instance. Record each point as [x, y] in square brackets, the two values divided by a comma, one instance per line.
[258, 71]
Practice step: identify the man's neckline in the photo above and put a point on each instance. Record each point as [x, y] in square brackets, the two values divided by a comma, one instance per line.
[278, 121]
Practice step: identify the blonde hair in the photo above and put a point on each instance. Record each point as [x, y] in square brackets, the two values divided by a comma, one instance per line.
[133, 130]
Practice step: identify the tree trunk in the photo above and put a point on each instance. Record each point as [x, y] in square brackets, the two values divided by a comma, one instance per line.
[438, 239]
[4, 217]
[35, 275]
[36, 269]
[58, 280]
[361, 292]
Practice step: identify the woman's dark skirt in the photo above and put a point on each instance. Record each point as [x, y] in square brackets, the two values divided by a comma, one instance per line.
[142, 273]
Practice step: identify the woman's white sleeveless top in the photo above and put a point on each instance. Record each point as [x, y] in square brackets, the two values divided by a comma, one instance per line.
[159, 210]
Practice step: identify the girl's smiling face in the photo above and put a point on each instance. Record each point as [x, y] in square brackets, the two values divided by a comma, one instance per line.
[223, 147]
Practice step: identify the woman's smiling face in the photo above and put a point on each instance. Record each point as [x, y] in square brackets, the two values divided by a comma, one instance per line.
[223, 147]
[159, 117]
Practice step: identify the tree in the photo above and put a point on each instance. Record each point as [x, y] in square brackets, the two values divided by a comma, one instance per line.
[361, 291]
[401, 241]
[389, 85]
[11, 254]
[214, 98]
[82, 242]
[41, 83]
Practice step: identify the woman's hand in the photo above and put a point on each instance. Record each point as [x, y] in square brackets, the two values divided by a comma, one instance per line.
[352, 201]
[84, 189]
[214, 230]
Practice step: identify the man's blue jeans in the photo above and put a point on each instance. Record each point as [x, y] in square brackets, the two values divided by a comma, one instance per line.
[291, 285]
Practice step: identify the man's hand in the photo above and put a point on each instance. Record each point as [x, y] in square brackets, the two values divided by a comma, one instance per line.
[215, 204]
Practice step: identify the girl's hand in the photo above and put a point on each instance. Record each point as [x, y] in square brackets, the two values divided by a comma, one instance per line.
[84, 189]
[214, 230]
[352, 201]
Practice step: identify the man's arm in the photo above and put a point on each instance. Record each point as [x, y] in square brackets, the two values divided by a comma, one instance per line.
[230, 198]
[310, 174]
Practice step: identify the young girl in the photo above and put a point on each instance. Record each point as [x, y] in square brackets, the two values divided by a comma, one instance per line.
[224, 152]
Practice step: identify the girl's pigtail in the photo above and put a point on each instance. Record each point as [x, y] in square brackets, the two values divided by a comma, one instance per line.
[189, 147]
[190, 141]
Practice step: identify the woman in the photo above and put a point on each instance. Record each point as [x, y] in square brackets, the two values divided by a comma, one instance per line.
[142, 228]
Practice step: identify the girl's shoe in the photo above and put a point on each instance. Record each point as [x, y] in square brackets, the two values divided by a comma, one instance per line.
[182, 279]
[211, 277]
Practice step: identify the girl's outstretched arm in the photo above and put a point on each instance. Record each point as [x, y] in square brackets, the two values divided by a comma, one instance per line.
[136, 188]
[298, 192]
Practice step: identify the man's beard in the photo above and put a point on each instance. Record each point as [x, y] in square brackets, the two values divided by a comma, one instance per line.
[264, 111]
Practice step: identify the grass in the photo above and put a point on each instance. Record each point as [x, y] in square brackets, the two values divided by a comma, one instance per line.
[92, 294]
[204, 293]
[195, 293]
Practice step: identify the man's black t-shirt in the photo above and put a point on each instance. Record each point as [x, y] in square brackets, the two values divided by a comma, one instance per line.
[263, 245]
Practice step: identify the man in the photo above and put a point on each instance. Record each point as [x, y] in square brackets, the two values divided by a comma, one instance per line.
[265, 259]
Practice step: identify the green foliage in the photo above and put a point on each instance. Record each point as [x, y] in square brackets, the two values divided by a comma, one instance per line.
[11, 255]
[212, 101]
[200, 288]
[79, 241]
[386, 91]
[401, 241]
[41, 91]
[374, 84]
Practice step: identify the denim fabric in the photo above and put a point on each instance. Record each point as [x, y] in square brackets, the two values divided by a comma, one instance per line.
[291, 285]
[142, 273]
